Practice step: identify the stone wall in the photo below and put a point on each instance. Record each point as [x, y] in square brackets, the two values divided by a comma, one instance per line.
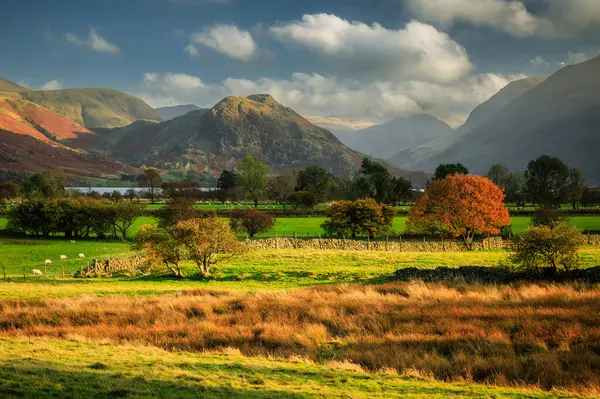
[105, 268]
[493, 243]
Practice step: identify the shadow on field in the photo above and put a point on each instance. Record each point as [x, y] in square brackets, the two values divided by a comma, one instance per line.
[36, 379]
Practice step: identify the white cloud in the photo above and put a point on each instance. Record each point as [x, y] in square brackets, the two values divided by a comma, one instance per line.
[564, 18]
[51, 85]
[191, 50]
[226, 39]
[539, 62]
[320, 95]
[94, 42]
[418, 51]
[577, 58]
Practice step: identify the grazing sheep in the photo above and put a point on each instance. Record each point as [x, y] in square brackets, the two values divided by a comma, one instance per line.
[81, 255]
[63, 257]
[72, 241]
[47, 262]
[37, 272]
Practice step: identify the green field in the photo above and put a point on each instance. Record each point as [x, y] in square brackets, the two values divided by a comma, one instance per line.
[35, 368]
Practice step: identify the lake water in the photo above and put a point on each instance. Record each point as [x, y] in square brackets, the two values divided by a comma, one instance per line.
[122, 190]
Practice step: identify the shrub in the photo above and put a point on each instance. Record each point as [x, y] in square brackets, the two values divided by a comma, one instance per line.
[554, 247]
[251, 221]
[350, 218]
[160, 248]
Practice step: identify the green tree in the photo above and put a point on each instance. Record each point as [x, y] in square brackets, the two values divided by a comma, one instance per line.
[253, 176]
[251, 221]
[577, 186]
[498, 174]
[175, 210]
[516, 189]
[125, 214]
[555, 247]
[315, 180]
[444, 170]
[151, 180]
[303, 199]
[350, 218]
[50, 184]
[547, 181]
[281, 187]
[375, 181]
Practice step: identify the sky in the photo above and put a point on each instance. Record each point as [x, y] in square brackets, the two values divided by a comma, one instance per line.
[361, 60]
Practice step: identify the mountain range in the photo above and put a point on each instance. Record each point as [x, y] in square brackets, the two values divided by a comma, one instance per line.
[104, 131]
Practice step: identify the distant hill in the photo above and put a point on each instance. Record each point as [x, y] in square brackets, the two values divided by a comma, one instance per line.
[94, 108]
[177, 110]
[423, 157]
[214, 140]
[9, 87]
[560, 116]
[388, 139]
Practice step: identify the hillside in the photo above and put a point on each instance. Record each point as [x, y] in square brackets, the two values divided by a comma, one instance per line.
[26, 118]
[388, 139]
[94, 108]
[177, 110]
[423, 157]
[6, 86]
[20, 152]
[560, 116]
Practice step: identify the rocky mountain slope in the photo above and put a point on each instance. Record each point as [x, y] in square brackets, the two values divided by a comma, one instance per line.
[6, 86]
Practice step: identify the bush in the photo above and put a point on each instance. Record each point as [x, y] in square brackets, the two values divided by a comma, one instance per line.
[251, 221]
[554, 247]
[350, 218]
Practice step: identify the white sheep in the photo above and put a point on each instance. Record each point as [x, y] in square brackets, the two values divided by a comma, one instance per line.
[64, 257]
[47, 262]
[72, 241]
[37, 272]
[81, 256]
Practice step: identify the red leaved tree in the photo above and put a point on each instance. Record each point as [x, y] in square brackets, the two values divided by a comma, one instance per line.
[460, 206]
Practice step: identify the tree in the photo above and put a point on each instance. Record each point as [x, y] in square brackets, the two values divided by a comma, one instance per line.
[45, 185]
[205, 240]
[366, 216]
[281, 187]
[125, 214]
[253, 178]
[151, 179]
[498, 174]
[577, 186]
[444, 170]
[176, 210]
[251, 221]
[160, 248]
[375, 181]
[131, 194]
[302, 199]
[8, 192]
[182, 189]
[460, 206]
[547, 181]
[315, 180]
[553, 247]
[516, 189]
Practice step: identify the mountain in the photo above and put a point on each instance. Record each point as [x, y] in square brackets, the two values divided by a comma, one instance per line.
[7, 86]
[423, 157]
[386, 140]
[335, 124]
[214, 140]
[94, 108]
[177, 110]
[560, 116]
[23, 117]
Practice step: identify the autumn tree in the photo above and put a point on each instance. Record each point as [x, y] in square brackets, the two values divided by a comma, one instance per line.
[251, 221]
[555, 247]
[366, 216]
[447, 169]
[253, 176]
[160, 248]
[460, 206]
[206, 240]
[150, 179]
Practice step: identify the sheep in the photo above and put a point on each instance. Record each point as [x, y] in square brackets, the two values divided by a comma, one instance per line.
[37, 272]
[72, 241]
[81, 256]
[47, 262]
[64, 257]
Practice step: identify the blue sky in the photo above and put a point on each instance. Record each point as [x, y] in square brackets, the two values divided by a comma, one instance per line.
[359, 59]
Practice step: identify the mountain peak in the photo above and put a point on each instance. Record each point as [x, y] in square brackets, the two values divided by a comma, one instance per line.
[263, 98]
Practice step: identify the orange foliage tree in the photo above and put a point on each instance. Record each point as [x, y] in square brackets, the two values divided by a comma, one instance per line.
[460, 206]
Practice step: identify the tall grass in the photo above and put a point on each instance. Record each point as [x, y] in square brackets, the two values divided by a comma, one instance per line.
[529, 334]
